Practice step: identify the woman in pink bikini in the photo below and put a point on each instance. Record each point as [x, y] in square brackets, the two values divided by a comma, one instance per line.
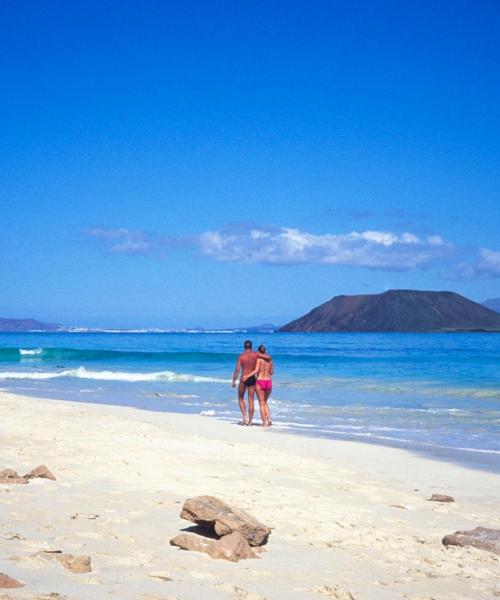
[264, 371]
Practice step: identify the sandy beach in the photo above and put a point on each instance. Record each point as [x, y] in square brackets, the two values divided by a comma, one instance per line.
[349, 520]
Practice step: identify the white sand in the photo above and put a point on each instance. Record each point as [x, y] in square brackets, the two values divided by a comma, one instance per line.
[347, 518]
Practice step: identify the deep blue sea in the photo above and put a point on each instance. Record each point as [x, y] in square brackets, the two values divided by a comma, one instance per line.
[438, 394]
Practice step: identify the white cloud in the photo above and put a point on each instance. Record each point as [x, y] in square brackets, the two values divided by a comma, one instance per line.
[487, 262]
[375, 249]
[287, 246]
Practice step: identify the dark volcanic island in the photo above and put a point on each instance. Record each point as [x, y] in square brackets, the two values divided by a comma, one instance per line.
[26, 325]
[398, 310]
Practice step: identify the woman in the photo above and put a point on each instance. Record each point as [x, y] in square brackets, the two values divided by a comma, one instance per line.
[264, 370]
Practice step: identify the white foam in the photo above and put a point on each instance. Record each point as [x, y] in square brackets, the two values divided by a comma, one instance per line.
[83, 373]
[30, 351]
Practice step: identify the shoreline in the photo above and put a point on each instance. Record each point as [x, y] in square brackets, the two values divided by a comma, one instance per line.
[476, 459]
[347, 517]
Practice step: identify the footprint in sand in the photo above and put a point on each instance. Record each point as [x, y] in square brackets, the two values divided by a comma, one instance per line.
[240, 593]
[334, 592]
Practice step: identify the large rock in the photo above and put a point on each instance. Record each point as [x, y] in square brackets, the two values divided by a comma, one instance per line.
[10, 476]
[480, 537]
[41, 471]
[190, 541]
[216, 515]
[441, 498]
[8, 582]
[233, 547]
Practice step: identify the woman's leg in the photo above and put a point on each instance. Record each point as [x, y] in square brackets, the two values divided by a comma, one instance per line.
[267, 393]
[262, 404]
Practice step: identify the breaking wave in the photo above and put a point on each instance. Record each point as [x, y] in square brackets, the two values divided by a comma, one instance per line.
[83, 373]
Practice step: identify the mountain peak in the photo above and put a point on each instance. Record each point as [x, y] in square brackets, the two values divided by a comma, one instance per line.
[398, 310]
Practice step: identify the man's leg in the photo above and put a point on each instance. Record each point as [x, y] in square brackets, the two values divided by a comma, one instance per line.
[251, 394]
[241, 401]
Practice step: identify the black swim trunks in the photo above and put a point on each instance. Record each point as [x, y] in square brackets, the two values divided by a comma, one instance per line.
[250, 381]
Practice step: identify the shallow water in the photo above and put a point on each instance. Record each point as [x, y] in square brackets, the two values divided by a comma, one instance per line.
[434, 393]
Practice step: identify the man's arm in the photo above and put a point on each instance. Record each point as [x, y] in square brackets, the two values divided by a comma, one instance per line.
[266, 357]
[254, 372]
[236, 372]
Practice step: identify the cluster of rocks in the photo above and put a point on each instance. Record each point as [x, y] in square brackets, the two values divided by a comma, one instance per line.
[75, 564]
[10, 476]
[227, 532]
[483, 538]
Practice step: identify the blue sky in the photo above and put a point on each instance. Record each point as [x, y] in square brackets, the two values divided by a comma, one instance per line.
[230, 163]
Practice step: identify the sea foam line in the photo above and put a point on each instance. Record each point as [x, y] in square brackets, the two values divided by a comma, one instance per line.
[83, 373]
[30, 351]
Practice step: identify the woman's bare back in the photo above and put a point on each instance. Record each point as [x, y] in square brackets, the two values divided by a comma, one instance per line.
[265, 369]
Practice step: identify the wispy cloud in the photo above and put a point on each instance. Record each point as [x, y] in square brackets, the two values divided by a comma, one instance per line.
[122, 240]
[285, 246]
[288, 246]
[486, 263]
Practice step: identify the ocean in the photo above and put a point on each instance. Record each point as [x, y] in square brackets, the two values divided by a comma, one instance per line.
[437, 394]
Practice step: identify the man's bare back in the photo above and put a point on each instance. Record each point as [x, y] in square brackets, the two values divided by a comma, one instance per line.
[246, 363]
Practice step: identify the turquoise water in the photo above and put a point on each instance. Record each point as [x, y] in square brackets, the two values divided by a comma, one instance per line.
[433, 393]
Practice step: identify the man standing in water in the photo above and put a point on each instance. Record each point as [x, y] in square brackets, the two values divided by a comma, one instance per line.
[247, 361]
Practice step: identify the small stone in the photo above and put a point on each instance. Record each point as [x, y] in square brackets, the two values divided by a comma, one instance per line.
[10, 476]
[441, 498]
[8, 582]
[163, 575]
[41, 471]
[75, 564]
[480, 537]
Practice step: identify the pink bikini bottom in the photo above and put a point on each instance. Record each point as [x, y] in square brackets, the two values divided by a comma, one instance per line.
[265, 384]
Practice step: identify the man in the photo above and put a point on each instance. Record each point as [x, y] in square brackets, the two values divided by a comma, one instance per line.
[246, 362]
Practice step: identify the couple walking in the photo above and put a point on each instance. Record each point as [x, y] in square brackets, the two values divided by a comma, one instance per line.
[257, 372]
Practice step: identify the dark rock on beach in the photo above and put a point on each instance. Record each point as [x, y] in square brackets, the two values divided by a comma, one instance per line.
[75, 564]
[41, 471]
[191, 541]
[7, 582]
[233, 547]
[441, 498]
[215, 515]
[10, 476]
[480, 537]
